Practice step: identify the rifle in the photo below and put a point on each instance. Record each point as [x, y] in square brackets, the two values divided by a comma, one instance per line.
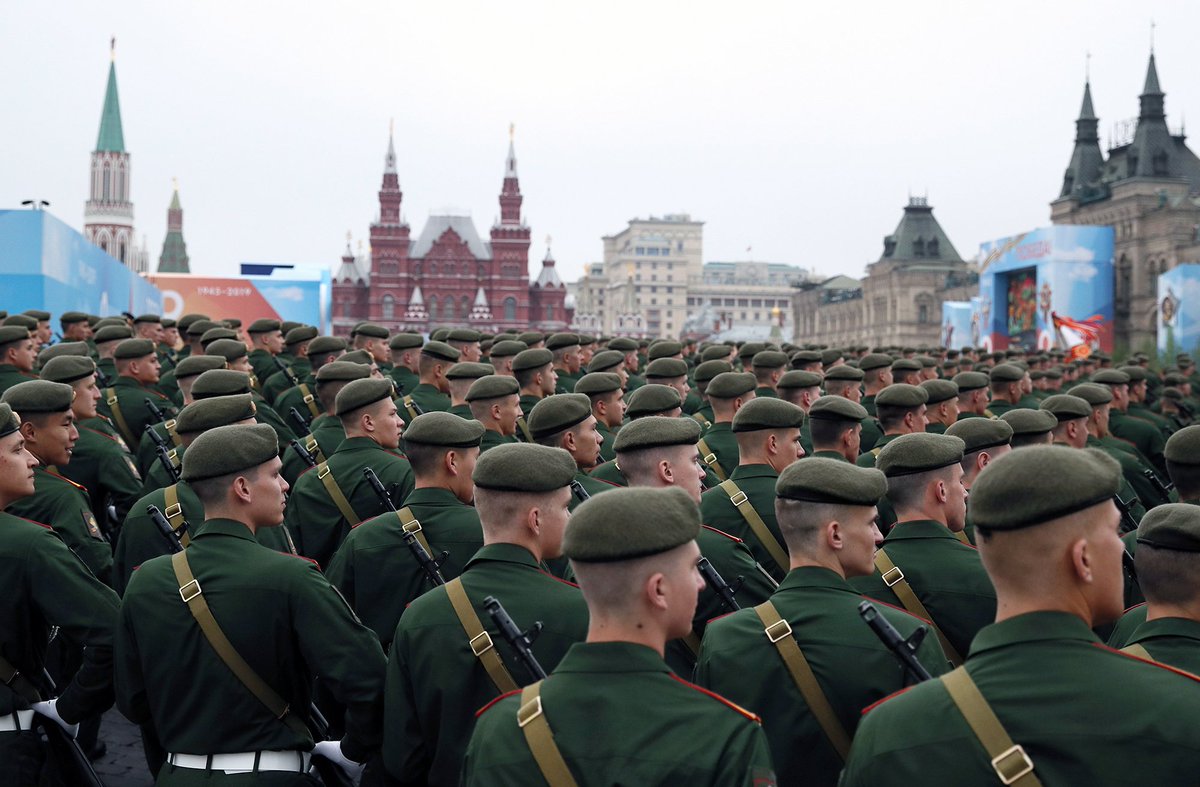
[1128, 523]
[905, 650]
[287, 370]
[64, 749]
[521, 641]
[164, 455]
[171, 534]
[1128, 564]
[156, 411]
[102, 378]
[715, 581]
[308, 458]
[299, 420]
[427, 562]
[580, 493]
[1163, 489]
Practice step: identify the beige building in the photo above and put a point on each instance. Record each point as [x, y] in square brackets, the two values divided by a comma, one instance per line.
[742, 300]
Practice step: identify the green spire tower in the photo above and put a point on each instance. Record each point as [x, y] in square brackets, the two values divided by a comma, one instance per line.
[174, 257]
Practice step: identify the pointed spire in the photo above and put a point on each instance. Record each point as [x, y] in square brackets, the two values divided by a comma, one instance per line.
[1151, 87]
[1086, 112]
[175, 197]
[510, 163]
[349, 253]
[389, 161]
[481, 298]
[111, 137]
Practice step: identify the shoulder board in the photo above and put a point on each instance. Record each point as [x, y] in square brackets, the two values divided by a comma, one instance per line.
[879, 702]
[299, 557]
[898, 609]
[734, 706]
[396, 454]
[610, 483]
[722, 532]
[1158, 664]
[1135, 606]
[719, 617]
[80, 487]
[567, 582]
[484, 709]
[33, 521]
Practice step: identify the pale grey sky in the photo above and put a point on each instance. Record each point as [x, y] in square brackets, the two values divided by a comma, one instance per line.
[795, 128]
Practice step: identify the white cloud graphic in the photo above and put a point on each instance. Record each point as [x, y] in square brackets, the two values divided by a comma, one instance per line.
[1082, 273]
[1076, 254]
[285, 294]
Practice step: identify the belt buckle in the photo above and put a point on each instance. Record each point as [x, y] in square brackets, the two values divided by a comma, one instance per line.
[1023, 766]
[413, 527]
[310, 444]
[892, 576]
[485, 643]
[738, 499]
[324, 471]
[529, 711]
[173, 511]
[778, 630]
[188, 592]
[308, 399]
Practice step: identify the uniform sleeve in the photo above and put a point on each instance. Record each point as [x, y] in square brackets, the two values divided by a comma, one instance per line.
[746, 759]
[405, 755]
[138, 541]
[74, 523]
[121, 478]
[128, 678]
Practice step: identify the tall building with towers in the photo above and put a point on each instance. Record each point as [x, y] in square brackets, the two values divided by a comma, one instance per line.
[174, 257]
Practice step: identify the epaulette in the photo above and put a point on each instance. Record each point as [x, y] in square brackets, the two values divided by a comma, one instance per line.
[301, 557]
[721, 616]
[722, 532]
[733, 705]
[1158, 664]
[80, 487]
[483, 710]
[560, 579]
[610, 483]
[1135, 606]
[879, 702]
[34, 522]
[898, 609]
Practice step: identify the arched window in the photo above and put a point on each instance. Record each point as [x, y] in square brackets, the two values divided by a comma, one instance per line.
[448, 308]
[510, 309]
[433, 269]
[466, 305]
[389, 307]
[107, 183]
[433, 308]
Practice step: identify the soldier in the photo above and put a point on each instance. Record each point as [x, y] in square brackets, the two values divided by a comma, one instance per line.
[565, 348]
[17, 355]
[826, 511]
[374, 340]
[610, 361]
[335, 496]
[495, 403]
[877, 375]
[125, 400]
[533, 339]
[295, 358]
[459, 379]
[406, 355]
[728, 392]
[148, 326]
[907, 371]
[671, 372]
[502, 354]
[900, 409]
[435, 681]
[801, 389]
[1030, 427]
[372, 568]
[534, 370]
[984, 441]
[1048, 538]
[325, 431]
[697, 404]
[75, 327]
[1138, 392]
[612, 699]
[467, 342]
[566, 421]
[768, 437]
[1182, 454]
[187, 371]
[1133, 465]
[836, 427]
[266, 341]
[1148, 439]
[302, 394]
[432, 392]
[604, 391]
[768, 366]
[47, 588]
[629, 347]
[973, 395]
[941, 408]
[163, 648]
[807, 361]
[1008, 386]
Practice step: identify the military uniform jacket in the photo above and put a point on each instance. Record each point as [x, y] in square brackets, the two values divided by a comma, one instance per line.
[147, 451]
[11, 375]
[329, 433]
[279, 614]
[376, 572]
[101, 465]
[720, 440]
[944, 573]
[868, 403]
[44, 585]
[608, 452]
[872, 433]
[429, 399]
[131, 398]
[64, 505]
[463, 411]
[739, 662]
[434, 682]
[279, 382]
[831, 454]
[758, 482]
[1131, 470]
[527, 401]
[634, 382]
[406, 379]
[1084, 714]
[999, 407]
[167, 385]
[294, 397]
[1148, 439]
[262, 362]
[1171, 641]
[492, 438]
[316, 524]
[620, 717]
[565, 381]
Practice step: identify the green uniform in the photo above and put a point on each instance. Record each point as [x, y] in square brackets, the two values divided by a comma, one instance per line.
[1172, 641]
[378, 575]
[64, 505]
[830, 454]
[107, 369]
[491, 439]
[279, 614]
[692, 402]
[944, 573]
[166, 385]
[462, 411]
[720, 440]
[887, 513]
[435, 684]
[131, 404]
[872, 433]
[565, 381]
[100, 464]
[1029, 401]
[262, 362]
[527, 402]
[1140, 410]
[608, 452]
[609, 473]
[296, 396]
[999, 407]
[147, 449]
[1132, 470]
[406, 379]
[1148, 439]
[593, 486]
[868, 403]
[329, 433]
[429, 398]
[634, 382]
[11, 375]
[767, 391]
[704, 414]
[278, 382]
[1082, 713]
[316, 524]
[619, 716]
[46, 586]
[717, 510]
[806, 435]
[935, 427]
[739, 662]
[1127, 624]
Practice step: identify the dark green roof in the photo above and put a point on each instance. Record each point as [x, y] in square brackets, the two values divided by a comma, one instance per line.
[111, 137]
[918, 236]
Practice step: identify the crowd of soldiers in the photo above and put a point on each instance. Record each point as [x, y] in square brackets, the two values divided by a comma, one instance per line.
[555, 558]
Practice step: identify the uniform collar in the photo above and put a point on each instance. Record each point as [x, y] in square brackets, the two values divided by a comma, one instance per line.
[1185, 628]
[719, 426]
[1032, 627]
[830, 454]
[435, 496]
[225, 527]
[359, 444]
[919, 528]
[754, 471]
[814, 577]
[504, 553]
[623, 657]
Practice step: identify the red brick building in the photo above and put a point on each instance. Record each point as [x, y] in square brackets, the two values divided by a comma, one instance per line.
[447, 275]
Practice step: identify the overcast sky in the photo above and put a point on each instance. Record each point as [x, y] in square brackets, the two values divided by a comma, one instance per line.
[798, 129]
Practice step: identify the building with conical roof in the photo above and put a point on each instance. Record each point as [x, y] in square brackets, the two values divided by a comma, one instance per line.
[108, 214]
[174, 257]
[1148, 190]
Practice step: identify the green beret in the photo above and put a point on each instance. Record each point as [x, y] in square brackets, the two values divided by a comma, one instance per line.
[360, 393]
[769, 359]
[844, 372]
[1183, 447]
[1025, 421]
[72, 318]
[979, 434]
[22, 321]
[767, 412]
[204, 414]
[118, 321]
[444, 430]
[263, 325]
[507, 348]
[906, 365]
[623, 344]
[213, 334]
[561, 341]
[1136, 374]
[902, 395]
[531, 337]
[134, 348]
[585, 339]
[1066, 407]
[1093, 393]
[186, 321]
[1172, 393]
[830, 356]
[652, 399]
[719, 352]
[360, 357]
[1039, 484]
[229, 349]
[220, 382]
[656, 431]
[802, 357]
[39, 396]
[232, 322]
[493, 386]
[369, 329]
[821, 480]
[195, 365]
[524, 467]
[62, 348]
[663, 349]
[440, 351]
[439, 334]
[666, 368]
[837, 408]
[707, 370]
[9, 421]
[342, 371]
[874, 361]
[921, 452]
[146, 318]
[302, 333]
[1036, 374]
[406, 341]
[971, 381]
[558, 413]
[940, 390]
[68, 368]
[1170, 379]
[323, 345]
[464, 335]
[749, 349]
[927, 362]
[226, 450]
[627, 524]
[1111, 377]
[730, 385]
[1174, 526]
[469, 371]
[598, 383]
[199, 328]
[798, 378]
[1006, 373]
[532, 359]
[1056, 374]
[109, 333]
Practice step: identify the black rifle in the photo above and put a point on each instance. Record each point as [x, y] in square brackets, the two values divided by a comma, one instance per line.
[173, 536]
[1128, 523]
[905, 650]
[102, 378]
[299, 448]
[427, 562]
[64, 749]
[1163, 489]
[299, 420]
[1129, 566]
[156, 411]
[521, 641]
[714, 580]
[579, 492]
[287, 370]
[164, 455]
